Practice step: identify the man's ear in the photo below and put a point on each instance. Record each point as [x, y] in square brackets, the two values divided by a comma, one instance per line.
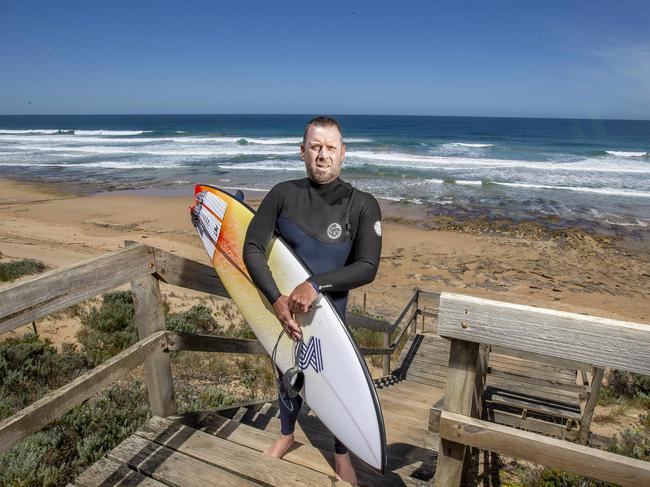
[302, 151]
[342, 152]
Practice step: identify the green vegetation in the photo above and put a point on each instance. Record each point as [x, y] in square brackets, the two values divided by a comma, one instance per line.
[62, 450]
[13, 270]
[108, 329]
[30, 367]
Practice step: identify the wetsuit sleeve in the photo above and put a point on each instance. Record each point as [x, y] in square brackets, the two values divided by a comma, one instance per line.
[366, 252]
[259, 234]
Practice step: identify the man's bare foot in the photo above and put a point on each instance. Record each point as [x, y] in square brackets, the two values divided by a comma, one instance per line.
[280, 447]
[344, 468]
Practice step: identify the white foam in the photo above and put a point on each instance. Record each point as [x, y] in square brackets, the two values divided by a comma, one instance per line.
[465, 144]
[111, 132]
[469, 183]
[389, 159]
[64, 132]
[34, 131]
[619, 153]
[581, 189]
[265, 166]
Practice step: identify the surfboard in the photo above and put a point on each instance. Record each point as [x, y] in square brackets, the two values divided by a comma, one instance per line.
[337, 387]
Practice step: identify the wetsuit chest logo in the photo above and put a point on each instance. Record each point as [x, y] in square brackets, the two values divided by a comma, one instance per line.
[334, 231]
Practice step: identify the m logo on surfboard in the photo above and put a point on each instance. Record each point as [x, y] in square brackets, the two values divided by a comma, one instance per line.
[311, 355]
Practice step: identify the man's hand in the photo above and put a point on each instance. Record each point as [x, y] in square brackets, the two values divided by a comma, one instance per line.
[284, 314]
[301, 298]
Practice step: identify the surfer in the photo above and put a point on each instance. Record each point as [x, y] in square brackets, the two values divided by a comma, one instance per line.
[335, 229]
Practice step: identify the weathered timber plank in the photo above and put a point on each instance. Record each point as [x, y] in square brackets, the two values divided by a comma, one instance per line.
[179, 271]
[417, 390]
[427, 382]
[599, 341]
[574, 388]
[542, 450]
[355, 320]
[301, 454]
[544, 359]
[541, 392]
[149, 319]
[109, 473]
[535, 406]
[195, 342]
[556, 430]
[428, 294]
[57, 403]
[27, 301]
[460, 398]
[171, 467]
[516, 362]
[231, 456]
[385, 351]
[590, 405]
[535, 372]
[502, 361]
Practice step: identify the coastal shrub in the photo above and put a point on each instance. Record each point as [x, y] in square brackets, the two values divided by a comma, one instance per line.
[634, 442]
[66, 447]
[30, 367]
[558, 478]
[108, 329]
[13, 270]
[197, 319]
[628, 384]
[190, 398]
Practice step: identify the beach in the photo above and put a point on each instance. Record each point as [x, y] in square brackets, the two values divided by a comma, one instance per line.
[526, 263]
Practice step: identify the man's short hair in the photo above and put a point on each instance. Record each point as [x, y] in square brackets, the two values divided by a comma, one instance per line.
[321, 122]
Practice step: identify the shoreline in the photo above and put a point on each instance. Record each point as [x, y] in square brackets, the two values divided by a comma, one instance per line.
[424, 215]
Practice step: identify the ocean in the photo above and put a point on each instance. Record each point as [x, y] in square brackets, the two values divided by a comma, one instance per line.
[553, 169]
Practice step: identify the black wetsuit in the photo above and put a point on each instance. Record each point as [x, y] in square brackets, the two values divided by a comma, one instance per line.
[334, 228]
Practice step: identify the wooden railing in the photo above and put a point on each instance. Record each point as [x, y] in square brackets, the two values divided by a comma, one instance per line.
[142, 267]
[471, 323]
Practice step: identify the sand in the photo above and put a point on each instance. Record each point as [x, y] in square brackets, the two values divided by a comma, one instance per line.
[568, 270]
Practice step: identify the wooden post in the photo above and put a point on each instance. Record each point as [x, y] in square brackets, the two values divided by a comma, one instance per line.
[387, 356]
[365, 295]
[149, 318]
[417, 307]
[590, 405]
[461, 382]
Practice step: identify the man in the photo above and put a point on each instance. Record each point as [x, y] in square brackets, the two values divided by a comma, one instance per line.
[336, 231]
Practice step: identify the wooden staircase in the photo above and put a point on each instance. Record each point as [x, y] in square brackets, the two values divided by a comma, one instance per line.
[424, 360]
[225, 447]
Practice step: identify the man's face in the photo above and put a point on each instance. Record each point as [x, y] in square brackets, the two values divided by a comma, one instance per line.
[323, 152]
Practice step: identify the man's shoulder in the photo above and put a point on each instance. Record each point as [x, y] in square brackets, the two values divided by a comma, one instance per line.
[364, 198]
[285, 187]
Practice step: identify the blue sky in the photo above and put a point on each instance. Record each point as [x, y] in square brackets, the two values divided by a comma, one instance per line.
[484, 57]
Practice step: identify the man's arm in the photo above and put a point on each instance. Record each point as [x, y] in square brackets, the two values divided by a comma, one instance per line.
[259, 234]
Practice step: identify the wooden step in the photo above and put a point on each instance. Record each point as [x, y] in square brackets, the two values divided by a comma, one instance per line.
[171, 467]
[411, 459]
[546, 408]
[532, 390]
[245, 462]
[107, 473]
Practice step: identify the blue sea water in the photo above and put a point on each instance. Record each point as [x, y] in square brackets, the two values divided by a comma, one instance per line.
[576, 170]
